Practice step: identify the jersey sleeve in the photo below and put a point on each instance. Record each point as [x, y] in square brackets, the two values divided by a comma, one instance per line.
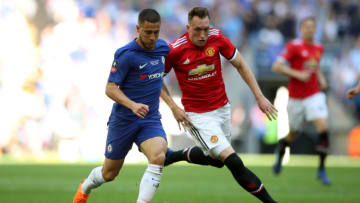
[119, 69]
[227, 49]
[169, 60]
[287, 54]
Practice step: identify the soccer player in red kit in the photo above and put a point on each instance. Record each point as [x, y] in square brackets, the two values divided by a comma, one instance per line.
[300, 61]
[195, 58]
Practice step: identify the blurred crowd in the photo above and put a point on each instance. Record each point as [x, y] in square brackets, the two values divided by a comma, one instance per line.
[55, 57]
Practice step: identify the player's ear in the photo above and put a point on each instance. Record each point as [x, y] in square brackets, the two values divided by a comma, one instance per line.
[187, 27]
[138, 28]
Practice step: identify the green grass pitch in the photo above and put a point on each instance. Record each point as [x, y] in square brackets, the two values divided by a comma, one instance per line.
[183, 183]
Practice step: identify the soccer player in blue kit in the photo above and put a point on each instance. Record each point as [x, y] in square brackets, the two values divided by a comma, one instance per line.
[134, 84]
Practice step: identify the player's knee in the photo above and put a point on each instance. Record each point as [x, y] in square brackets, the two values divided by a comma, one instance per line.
[224, 154]
[291, 137]
[110, 175]
[234, 162]
[157, 159]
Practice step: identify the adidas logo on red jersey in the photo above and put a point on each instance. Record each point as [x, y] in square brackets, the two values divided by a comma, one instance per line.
[187, 61]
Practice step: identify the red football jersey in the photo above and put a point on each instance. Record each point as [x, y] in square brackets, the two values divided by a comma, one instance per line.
[198, 70]
[301, 55]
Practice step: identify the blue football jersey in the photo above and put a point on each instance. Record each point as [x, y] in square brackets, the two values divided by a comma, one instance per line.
[139, 74]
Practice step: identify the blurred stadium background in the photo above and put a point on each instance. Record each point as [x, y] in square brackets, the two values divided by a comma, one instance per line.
[55, 57]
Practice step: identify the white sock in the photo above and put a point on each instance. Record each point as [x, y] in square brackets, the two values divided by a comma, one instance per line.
[149, 183]
[94, 180]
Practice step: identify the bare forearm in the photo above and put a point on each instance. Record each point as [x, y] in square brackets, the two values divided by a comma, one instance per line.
[165, 95]
[114, 93]
[322, 80]
[281, 68]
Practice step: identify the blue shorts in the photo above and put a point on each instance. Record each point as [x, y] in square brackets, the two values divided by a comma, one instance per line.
[122, 134]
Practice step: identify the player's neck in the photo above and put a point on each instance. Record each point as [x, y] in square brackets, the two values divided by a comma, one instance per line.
[308, 40]
[141, 44]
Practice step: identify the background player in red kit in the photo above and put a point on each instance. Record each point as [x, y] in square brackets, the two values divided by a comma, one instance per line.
[300, 61]
[195, 58]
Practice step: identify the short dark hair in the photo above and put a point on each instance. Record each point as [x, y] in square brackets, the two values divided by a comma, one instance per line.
[312, 18]
[149, 15]
[200, 12]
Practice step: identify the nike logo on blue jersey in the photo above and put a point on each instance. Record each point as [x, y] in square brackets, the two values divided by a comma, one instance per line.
[142, 66]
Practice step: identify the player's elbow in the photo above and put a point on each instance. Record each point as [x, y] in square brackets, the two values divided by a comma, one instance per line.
[109, 89]
[276, 67]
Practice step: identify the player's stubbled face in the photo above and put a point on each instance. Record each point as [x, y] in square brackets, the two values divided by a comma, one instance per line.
[308, 29]
[148, 34]
[198, 30]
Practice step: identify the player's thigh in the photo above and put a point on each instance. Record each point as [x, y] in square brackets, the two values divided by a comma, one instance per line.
[151, 140]
[225, 115]
[120, 139]
[321, 125]
[296, 114]
[208, 133]
[316, 110]
[154, 150]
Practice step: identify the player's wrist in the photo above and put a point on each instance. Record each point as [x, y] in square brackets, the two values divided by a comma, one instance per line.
[173, 107]
[259, 97]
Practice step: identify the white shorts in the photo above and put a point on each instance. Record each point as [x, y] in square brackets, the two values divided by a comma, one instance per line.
[308, 109]
[213, 129]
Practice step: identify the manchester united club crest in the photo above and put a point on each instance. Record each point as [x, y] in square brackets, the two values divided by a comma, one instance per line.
[214, 139]
[210, 51]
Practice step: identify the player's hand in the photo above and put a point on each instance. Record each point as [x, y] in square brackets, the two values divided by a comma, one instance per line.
[351, 93]
[140, 109]
[267, 108]
[304, 76]
[181, 118]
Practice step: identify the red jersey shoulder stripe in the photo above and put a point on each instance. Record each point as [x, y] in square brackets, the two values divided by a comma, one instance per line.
[179, 41]
[296, 42]
[179, 44]
[214, 31]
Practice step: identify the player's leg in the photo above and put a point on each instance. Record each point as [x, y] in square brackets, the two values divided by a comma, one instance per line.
[118, 143]
[151, 140]
[245, 178]
[322, 146]
[213, 135]
[154, 149]
[280, 150]
[194, 155]
[97, 177]
[317, 113]
[296, 115]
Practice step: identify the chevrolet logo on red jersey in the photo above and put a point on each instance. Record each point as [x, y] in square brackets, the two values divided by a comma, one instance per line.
[201, 69]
